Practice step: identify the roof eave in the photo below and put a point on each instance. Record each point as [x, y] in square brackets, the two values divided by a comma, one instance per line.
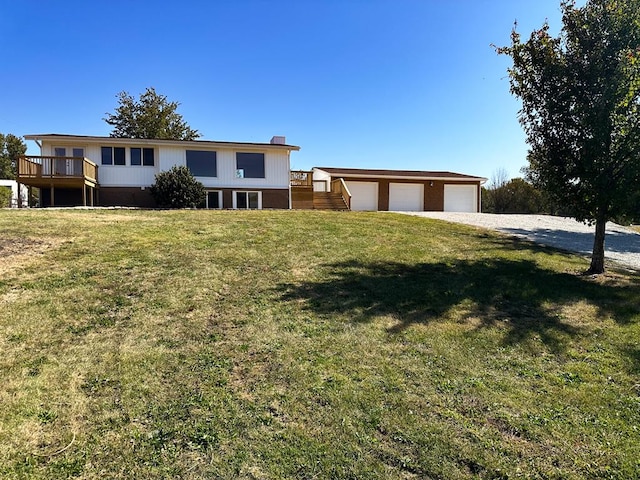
[150, 141]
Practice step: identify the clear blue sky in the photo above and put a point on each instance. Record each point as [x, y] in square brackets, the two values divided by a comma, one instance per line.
[404, 84]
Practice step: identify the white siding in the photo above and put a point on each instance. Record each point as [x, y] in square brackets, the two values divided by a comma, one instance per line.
[276, 167]
[321, 180]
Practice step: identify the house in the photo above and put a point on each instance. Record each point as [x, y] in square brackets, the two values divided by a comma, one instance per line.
[86, 170]
[394, 190]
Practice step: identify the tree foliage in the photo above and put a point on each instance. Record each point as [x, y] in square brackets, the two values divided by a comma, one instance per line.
[153, 116]
[177, 188]
[11, 148]
[580, 96]
[513, 196]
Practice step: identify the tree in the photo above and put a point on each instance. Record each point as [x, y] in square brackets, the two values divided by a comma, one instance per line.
[11, 148]
[514, 196]
[580, 96]
[494, 200]
[177, 188]
[153, 116]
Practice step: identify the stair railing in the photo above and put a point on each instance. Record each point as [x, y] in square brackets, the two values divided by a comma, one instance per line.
[340, 187]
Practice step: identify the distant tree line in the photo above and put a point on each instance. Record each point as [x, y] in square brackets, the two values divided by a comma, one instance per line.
[518, 195]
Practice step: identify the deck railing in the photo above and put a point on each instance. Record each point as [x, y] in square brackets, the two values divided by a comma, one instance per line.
[52, 167]
[339, 186]
[301, 178]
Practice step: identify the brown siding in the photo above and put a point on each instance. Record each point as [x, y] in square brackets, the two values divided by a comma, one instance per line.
[383, 195]
[275, 199]
[125, 197]
[227, 198]
[434, 196]
[302, 198]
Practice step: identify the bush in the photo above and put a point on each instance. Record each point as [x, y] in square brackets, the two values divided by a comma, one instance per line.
[5, 196]
[177, 188]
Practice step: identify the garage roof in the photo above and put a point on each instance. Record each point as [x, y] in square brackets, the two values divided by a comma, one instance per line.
[424, 175]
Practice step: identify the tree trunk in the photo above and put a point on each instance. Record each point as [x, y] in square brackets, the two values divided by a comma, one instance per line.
[597, 257]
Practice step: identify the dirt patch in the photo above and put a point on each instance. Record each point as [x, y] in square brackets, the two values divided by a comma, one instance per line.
[17, 252]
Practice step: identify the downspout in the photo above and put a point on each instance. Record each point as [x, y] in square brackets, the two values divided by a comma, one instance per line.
[289, 167]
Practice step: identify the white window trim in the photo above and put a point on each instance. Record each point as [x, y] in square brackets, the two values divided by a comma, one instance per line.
[206, 199]
[235, 203]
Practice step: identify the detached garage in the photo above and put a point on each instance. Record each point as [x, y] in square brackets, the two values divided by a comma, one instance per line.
[406, 190]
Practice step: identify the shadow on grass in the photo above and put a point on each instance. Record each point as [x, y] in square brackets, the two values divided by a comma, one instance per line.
[516, 294]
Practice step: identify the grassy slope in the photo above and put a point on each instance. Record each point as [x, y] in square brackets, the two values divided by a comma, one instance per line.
[308, 345]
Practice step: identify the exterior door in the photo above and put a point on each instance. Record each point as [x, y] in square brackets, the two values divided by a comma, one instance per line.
[67, 166]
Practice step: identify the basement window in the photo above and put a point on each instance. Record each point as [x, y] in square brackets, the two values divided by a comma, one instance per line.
[247, 200]
[213, 199]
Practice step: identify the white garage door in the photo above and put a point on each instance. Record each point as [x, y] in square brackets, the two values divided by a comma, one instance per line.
[406, 197]
[364, 195]
[460, 198]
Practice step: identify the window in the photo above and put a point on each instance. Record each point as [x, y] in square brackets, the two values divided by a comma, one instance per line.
[247, 200]
[250, 165]
[118, 156]
[107, 156]
[136, 155]
[202, 163]
[73, 152]
[147, 157]
[213, 199]
[113, 156]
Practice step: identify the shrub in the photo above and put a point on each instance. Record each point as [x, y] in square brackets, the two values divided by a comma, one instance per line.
[177, 188]
[5, 196]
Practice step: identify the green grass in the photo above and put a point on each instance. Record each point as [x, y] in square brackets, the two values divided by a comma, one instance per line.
[191, 344]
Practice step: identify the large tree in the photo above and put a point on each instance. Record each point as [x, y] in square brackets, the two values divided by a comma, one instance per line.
[11, 148]
[153, 116]
[580, 96]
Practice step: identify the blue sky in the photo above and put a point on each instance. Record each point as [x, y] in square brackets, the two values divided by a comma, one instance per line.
[404, 84]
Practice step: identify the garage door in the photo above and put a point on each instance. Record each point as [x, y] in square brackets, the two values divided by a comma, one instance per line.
[406, 197]
[364, 195]
[460, 198]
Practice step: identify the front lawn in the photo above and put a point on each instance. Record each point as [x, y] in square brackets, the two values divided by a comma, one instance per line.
[225, 344]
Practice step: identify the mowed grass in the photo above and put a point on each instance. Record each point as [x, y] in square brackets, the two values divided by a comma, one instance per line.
[191, 344]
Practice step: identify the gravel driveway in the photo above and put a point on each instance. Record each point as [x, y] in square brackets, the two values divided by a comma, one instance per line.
[622, 244]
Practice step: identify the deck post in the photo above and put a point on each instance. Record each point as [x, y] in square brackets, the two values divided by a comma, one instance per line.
[53, 203]
[84, 194]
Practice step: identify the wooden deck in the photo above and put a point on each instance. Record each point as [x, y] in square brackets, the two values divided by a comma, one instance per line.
[59, 173]
[335, 196]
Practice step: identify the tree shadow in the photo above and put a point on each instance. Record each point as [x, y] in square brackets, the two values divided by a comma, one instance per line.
[518, 295]
[618, 241]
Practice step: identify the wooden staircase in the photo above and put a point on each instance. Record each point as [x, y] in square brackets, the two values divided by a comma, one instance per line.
[329, 201]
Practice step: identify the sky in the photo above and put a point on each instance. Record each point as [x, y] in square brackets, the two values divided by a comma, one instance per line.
[389, 84]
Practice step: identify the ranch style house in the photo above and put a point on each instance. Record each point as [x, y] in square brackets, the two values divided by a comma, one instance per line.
[74, 170]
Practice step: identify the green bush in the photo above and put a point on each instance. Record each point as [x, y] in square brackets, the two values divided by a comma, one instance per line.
[177, 188]
[5, 196]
